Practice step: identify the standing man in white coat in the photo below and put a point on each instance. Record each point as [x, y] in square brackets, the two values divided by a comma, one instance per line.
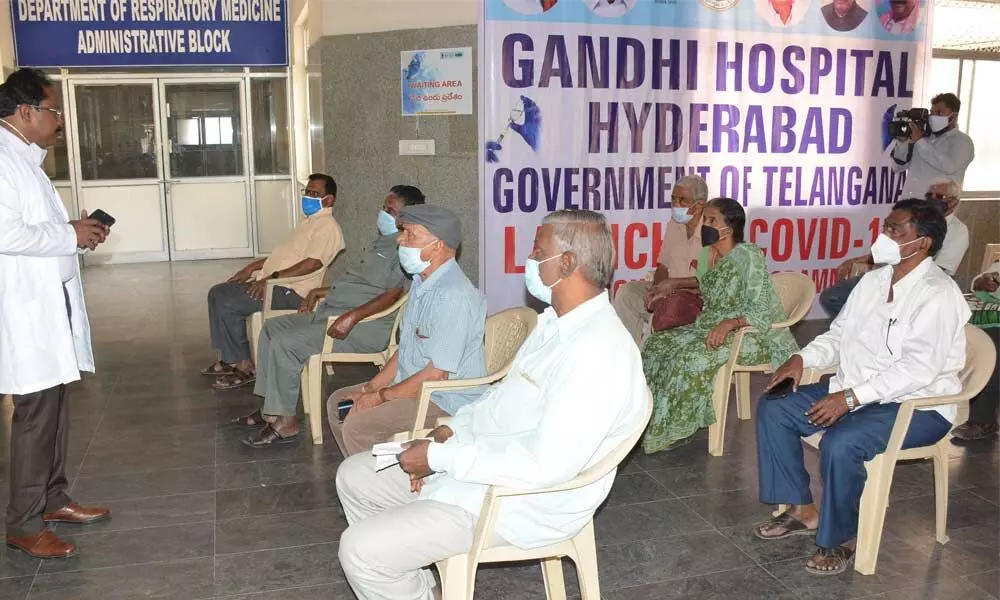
[44, 333]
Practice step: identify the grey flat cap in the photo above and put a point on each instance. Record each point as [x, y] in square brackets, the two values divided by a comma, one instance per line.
[439, 221]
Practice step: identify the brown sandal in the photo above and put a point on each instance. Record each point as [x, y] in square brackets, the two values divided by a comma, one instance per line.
[236, 379]
[218, 369]
[268, 437]
[786, 521]
[841, 557]
[254, 419]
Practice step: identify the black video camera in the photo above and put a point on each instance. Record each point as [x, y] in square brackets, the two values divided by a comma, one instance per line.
[899, 127]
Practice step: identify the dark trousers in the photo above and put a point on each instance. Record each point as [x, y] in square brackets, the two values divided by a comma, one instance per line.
[833, 298]
[39, 434]
[983, 408]
[229, 305]
[857, 437]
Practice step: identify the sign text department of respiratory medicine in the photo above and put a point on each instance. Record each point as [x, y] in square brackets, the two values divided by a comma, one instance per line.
[604, 106]
[126, 33]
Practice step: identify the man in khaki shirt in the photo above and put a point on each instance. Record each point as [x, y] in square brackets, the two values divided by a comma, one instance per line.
[681, 246]
[316, 242]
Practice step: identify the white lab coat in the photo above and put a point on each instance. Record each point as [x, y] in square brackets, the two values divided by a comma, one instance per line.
[38, 347]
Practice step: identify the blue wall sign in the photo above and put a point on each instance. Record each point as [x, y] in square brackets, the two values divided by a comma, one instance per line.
[150, 33]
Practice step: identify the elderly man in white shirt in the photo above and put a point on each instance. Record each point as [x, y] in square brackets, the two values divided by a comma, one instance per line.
[945, 193]
[901, 336]
[44, 334]
[575, 391]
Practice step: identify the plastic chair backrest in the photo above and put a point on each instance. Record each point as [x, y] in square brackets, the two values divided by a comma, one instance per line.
[505, 332]
[797, 292]
[990, 255]
[980, 360]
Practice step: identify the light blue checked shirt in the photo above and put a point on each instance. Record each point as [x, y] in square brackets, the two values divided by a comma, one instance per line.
[444, 324]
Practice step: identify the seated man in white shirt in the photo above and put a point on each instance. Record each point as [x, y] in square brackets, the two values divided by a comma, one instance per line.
[946, 194]
[575, 391]
[901, 336]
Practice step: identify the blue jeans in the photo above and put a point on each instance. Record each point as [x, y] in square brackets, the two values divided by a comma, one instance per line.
[833, 298]
[855, 438]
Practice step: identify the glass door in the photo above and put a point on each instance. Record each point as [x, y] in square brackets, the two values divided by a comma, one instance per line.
[205, 169]
[119, 167]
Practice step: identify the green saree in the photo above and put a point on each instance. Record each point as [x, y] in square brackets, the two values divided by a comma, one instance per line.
[680, 368]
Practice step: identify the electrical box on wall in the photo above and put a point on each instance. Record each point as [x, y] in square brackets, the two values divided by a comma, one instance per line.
[416, 147]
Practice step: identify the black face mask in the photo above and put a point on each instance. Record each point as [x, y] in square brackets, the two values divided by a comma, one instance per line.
[709, 235]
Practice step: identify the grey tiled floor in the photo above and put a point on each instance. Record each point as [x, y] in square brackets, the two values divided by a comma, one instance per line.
[198, 516]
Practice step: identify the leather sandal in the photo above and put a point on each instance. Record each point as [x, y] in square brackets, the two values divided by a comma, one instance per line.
[786, 521]
[254, 419]
[268, 437]
[841, 557]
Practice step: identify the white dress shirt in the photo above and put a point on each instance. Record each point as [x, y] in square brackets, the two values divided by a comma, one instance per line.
[953, 248]
[610, 10]
[913, 347]
[575, 391]
[934, 156]
[38, 261]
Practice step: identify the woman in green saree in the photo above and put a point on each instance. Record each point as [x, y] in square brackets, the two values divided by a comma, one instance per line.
[736, 290]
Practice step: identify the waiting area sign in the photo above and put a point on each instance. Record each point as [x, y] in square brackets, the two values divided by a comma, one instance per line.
[150, 33]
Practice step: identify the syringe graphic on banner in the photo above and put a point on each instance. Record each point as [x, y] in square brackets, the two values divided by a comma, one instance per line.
[530, 130]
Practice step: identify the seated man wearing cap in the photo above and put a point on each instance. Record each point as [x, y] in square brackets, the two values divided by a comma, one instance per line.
[440, 337]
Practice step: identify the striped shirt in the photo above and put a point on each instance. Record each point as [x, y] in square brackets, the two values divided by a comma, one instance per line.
[444, 324]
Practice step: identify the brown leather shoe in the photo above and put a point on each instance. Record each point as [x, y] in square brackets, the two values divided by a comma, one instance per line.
[74, 513]
[43, 545]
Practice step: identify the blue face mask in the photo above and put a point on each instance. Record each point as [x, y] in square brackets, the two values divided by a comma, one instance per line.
[681, 215]
[533, 279]
[409, 259]
[311, 206]
[386, 223]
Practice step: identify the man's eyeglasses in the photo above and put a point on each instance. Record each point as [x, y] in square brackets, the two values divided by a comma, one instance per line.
[58, 113]
[311, 194]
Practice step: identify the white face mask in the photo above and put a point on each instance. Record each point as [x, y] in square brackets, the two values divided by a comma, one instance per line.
[410, 260]
[938, 123]
[533, 279]
[886, 252]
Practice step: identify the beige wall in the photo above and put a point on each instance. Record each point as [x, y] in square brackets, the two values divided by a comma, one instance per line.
[351, 16]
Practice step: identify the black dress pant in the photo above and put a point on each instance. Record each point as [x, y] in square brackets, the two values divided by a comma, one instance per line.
[39, 435]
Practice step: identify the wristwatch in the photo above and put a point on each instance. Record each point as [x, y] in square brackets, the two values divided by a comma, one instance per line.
[852, 402]
[275, 275]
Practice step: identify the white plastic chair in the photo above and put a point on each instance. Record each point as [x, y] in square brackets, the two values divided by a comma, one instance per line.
[979, 363]
[797, 292]
[312, 371]
[991, 254]
[458, 573]
[256, 321]
[505, 333]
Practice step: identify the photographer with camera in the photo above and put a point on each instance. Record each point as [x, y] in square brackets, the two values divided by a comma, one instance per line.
[929, 145]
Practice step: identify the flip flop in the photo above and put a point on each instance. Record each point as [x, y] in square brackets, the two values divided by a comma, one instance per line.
[257, 417]
[212, 371]
[236, 379]
[843, 555]
[790, 524]
[268, 437]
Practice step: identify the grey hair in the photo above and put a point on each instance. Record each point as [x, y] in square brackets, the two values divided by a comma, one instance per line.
[954, 190]
[694, 184]
[586, 234]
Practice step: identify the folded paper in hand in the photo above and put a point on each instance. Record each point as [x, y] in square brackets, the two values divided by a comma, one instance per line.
[387, 454]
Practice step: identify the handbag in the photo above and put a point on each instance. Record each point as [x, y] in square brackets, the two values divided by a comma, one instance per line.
[680, 308]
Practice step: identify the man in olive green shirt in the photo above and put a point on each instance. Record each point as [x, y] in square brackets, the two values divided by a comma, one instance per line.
[370, 285]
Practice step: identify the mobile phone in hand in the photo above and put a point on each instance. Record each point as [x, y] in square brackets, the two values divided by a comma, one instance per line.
[102, 217]
[343, 408]
[782, 388]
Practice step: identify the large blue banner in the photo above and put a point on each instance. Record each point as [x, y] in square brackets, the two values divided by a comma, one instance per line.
[150, 33]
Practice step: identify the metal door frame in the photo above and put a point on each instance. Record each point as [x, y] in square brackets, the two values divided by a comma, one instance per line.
[247, 177]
